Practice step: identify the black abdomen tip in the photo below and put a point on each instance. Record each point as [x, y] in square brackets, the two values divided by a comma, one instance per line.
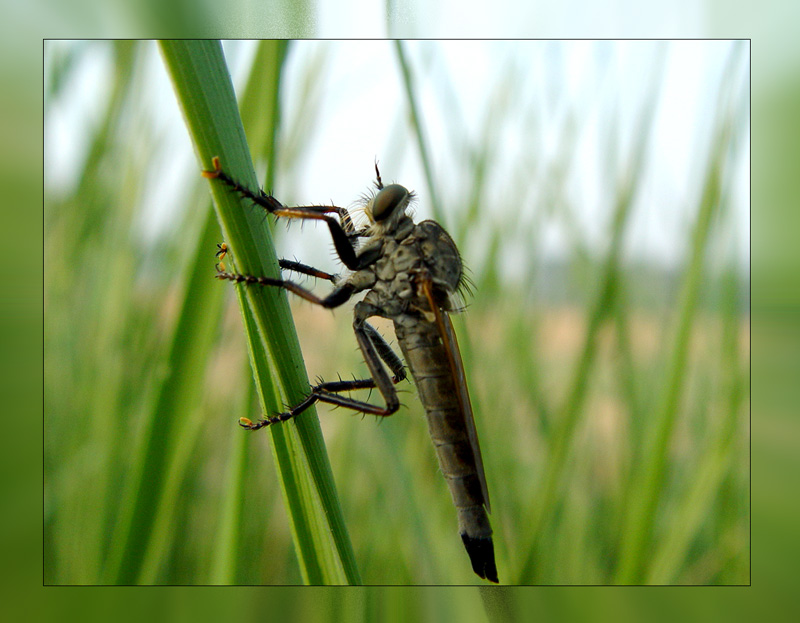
[481, 554]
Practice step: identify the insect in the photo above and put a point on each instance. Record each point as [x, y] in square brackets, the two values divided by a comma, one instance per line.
[410, 273]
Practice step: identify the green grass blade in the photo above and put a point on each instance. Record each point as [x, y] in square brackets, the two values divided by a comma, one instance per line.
[172, 428]
[206, 96]
[149, 501]
[564, 429]
[225, 557]
[92, 300]
[647, 487]
[721, 458]
[416, 123]
[260, 103]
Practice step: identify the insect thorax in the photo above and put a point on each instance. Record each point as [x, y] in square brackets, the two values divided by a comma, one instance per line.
[412, 250]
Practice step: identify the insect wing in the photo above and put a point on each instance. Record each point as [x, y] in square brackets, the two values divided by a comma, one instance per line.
[450, 343]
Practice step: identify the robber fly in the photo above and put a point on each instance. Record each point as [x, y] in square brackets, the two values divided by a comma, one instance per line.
[411, 273]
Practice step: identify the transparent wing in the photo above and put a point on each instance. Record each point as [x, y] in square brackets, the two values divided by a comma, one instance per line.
[448, 336]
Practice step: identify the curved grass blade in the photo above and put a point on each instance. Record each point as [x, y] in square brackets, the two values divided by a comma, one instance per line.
[647, 489]
[205, 93]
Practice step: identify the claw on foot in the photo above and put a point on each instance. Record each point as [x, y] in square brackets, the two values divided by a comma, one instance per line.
[215, 173]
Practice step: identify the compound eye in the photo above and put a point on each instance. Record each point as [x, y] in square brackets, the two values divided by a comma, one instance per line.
[387, 200]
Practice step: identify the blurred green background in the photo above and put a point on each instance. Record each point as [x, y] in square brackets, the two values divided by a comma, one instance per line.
[775, 263]
[606, 344]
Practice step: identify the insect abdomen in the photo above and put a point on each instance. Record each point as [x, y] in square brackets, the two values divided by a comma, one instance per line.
[428, 361]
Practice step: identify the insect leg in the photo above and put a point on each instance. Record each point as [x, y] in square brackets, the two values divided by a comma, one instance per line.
[374, 352]
[343, 241]
[340, 294]
[327, 391]
[268, 202]
[306, 270]
[342, 230]
[374, 348]
[385, 352]
[293, 265]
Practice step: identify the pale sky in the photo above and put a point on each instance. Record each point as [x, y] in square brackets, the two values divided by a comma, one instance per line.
[361, 116]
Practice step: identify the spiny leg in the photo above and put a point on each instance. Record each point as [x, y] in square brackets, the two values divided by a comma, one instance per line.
[298, 267]
[374, 348]
[342, 230]
[373, 351]
[327, 392]
[386, 352]
[340, 294]
[305, 269]
[268, 202]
